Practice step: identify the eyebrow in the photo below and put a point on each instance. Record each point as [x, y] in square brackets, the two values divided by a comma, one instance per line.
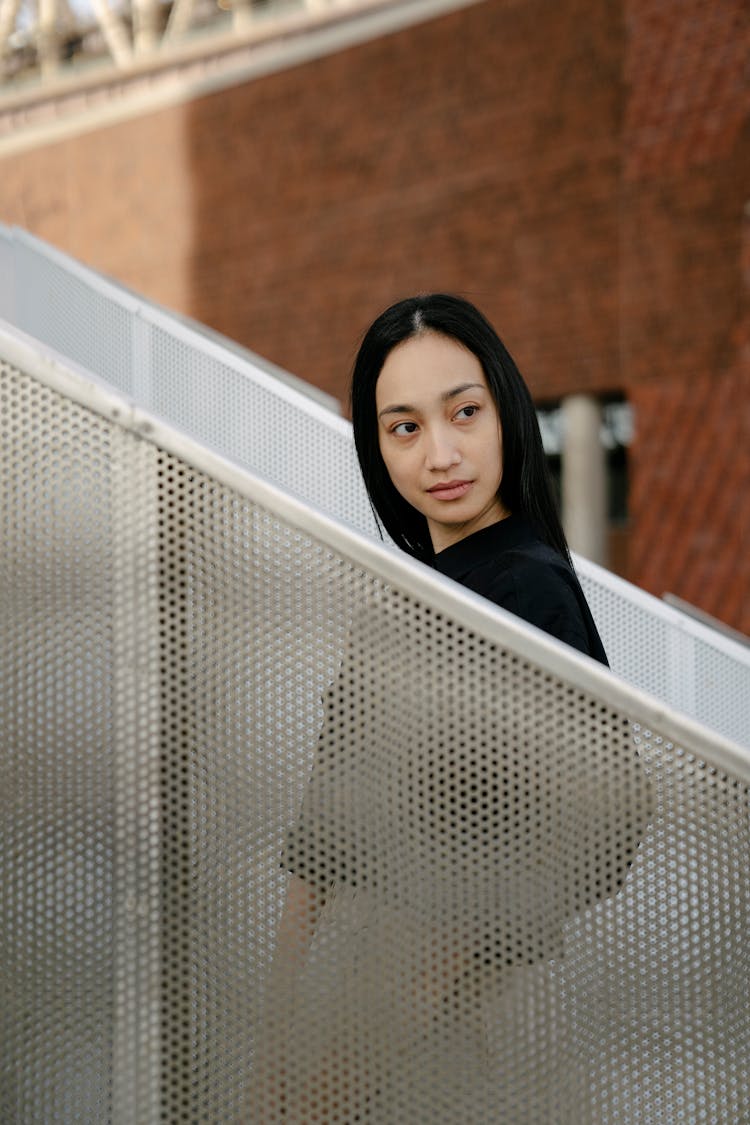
[454, 392]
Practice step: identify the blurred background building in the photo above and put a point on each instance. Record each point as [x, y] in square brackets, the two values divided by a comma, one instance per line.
[281, 171]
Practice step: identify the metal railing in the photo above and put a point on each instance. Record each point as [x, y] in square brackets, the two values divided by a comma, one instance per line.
[540, 875]
[239, 409]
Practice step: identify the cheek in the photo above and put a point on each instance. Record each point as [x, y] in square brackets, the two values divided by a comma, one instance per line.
[397, 467]
[495, 458]
[390, 466]
[386, 458]
[499, 449]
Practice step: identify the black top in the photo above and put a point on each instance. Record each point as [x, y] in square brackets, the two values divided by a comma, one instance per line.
[404, 786]
[508, 563]
[443, 773]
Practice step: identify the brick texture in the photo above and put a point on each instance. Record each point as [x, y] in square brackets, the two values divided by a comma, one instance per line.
[477, 153]
[577, 168]
[684, 322]
[685, 68]
[119, 199]
[689, 498]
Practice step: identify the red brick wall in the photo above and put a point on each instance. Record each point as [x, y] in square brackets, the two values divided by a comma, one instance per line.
[689, 493]
[575, 168]
[578, 168]
[479, 152]
[684, 317]
[119, 199]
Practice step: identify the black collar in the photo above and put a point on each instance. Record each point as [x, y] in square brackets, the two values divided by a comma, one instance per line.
[463, 556]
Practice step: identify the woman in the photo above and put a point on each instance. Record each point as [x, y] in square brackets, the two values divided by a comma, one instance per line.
[450, 450]
[426, 870]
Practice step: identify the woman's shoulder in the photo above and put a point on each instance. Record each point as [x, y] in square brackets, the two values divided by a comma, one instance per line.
[507, 550]
[527, 574]
[532, 580]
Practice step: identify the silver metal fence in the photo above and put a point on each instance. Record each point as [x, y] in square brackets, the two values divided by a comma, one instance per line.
[238, 408]
[295, 829]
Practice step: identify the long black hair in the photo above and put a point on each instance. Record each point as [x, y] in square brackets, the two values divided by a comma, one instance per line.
[525, 488]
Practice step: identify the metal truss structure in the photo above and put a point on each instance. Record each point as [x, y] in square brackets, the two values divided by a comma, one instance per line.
[40, 38]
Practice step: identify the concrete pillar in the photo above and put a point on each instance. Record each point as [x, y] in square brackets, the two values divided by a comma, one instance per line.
[584, 477]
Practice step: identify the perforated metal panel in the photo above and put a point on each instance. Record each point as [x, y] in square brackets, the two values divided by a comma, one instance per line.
[79, 730]
[55, 300]
[256, 420]
[292, 826]
[235, 407]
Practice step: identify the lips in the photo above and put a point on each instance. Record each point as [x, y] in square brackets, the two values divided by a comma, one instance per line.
[450, 490]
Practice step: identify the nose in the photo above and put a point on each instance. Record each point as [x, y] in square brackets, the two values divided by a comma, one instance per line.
[441, 452]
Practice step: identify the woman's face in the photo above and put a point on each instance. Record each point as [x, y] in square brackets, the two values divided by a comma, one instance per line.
[440, 435]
